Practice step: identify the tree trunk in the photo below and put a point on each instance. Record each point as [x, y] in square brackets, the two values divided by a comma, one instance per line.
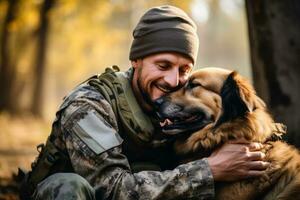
[39, 70]
[7, 68]
[274, 31]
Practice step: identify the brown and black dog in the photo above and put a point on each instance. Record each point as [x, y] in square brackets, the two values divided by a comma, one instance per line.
[219, 105]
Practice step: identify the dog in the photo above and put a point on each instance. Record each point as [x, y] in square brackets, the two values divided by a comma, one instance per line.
[216, 106]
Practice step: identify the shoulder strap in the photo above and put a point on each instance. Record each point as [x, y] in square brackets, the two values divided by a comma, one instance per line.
[116, 89]
[134, 114]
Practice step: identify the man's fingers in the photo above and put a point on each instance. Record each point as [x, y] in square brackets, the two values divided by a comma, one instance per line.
[254, 146]
[257, 155]
[255, 173]
[258, 165]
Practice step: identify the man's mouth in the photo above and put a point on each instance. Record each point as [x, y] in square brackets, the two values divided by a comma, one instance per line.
[163, 89]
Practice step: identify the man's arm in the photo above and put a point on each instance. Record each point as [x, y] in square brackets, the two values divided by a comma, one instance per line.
[105, 167]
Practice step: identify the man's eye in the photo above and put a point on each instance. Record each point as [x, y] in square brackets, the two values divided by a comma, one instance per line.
[162, 66]
[194, 85]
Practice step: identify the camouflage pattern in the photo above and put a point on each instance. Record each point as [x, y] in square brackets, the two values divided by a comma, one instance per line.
[110, 173]
[73, 187]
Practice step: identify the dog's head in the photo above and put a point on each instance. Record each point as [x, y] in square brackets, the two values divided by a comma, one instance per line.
[211, 96]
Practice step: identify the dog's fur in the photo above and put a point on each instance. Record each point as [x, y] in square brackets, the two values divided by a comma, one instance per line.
[219, 105]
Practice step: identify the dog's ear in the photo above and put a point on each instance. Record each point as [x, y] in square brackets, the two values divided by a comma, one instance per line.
[237, 98]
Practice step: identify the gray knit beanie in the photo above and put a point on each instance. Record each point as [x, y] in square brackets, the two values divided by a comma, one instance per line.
[165, 29]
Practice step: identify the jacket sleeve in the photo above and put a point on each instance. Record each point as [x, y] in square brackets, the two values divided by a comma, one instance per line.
[105, 167]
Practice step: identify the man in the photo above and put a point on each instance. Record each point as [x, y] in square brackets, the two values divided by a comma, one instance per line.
[105, 142]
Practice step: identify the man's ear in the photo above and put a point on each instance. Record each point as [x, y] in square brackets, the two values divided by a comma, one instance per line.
[135, 63]
[237, 98]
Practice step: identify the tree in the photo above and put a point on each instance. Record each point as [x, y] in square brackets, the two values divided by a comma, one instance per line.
[39, 70]
[274, 31]
[7, 67]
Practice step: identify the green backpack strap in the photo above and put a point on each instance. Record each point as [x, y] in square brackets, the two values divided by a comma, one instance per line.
[132, 113]
[104, 84]
[116, 89]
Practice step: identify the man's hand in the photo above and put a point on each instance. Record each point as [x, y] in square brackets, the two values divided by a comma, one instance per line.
[237, 160]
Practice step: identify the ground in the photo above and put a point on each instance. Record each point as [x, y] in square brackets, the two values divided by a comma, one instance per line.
[19, 137]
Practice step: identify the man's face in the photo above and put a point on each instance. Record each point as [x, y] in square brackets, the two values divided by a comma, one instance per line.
[159, 74]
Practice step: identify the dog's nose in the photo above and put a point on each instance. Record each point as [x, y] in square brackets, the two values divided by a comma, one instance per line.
[158, 102]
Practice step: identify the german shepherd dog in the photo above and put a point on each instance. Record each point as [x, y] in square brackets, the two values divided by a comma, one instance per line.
[218, 105]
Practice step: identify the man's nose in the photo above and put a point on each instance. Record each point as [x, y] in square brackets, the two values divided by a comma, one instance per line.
[172, 78]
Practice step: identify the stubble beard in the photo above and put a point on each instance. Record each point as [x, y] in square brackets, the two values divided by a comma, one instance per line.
[146, 97]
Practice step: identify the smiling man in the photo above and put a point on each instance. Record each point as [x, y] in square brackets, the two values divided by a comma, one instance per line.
[159, 74]
[105, 142]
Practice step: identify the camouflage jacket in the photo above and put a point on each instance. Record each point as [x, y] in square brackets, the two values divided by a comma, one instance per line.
[86, 129]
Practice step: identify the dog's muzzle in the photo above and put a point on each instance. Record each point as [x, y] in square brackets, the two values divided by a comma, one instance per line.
[175, 120]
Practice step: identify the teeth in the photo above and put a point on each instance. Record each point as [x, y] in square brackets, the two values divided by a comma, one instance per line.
[162, 124]
[169, 122]
[166, 122]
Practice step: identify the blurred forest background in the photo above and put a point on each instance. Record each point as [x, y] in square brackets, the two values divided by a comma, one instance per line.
[50, 46]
